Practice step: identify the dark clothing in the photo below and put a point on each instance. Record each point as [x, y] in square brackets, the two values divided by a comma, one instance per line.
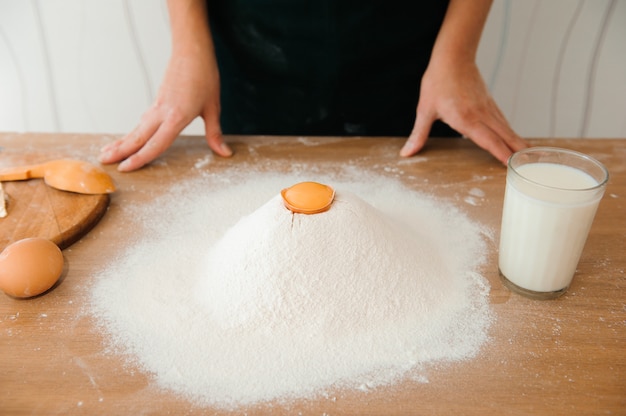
[323, 67]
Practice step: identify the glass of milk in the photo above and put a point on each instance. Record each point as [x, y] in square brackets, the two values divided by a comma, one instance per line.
[550, 200]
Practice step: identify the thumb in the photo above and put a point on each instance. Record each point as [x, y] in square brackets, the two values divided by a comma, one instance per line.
[418, 137]
[213, 135]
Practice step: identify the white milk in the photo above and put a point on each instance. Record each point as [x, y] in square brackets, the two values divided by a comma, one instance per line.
[544, 229]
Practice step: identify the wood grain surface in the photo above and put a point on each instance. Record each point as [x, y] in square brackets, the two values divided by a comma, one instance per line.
[37, 210]
[560, 357]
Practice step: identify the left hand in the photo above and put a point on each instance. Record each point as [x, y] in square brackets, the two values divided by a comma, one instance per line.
[458, 96]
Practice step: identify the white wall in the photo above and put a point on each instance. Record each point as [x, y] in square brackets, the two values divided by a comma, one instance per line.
[556, 67]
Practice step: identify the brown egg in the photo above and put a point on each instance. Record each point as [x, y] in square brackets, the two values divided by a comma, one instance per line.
[308, 197]
[29, 267]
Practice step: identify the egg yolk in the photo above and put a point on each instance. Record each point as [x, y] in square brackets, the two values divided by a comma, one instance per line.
[308, 197]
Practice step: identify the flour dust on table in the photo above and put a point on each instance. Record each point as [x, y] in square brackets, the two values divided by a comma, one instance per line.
[229, 299]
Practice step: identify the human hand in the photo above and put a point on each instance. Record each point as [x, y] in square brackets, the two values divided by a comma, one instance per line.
[458, 96]
[190, 88]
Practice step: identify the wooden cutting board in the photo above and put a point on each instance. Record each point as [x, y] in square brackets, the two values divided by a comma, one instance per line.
[37, 210]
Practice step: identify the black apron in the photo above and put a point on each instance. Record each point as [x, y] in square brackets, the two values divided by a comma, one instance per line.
[323, 67]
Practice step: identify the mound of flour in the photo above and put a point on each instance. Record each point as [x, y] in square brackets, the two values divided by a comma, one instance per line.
[230, 299]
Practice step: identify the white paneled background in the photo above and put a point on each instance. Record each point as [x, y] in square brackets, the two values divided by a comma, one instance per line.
[557, 68]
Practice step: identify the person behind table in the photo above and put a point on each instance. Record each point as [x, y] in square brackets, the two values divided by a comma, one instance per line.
[321, 67]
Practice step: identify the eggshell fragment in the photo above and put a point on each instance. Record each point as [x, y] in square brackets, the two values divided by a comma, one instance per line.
[3, 202]
[29, 267]
[308, 197]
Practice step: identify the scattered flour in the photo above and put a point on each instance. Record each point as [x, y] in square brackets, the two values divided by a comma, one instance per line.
[229, 299]
[200, 163]
[475, 196]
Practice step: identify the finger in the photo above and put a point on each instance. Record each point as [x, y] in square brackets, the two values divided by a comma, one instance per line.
[213, 135]
[485, 137]
[418, 137]
[129, 144]
[498, 123]
[153, 148]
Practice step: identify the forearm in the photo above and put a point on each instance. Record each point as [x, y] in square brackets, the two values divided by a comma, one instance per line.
[189, 26]
[459, 36]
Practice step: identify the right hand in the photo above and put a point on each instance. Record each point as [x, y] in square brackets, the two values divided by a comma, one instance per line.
[458, 95]
[189, 89]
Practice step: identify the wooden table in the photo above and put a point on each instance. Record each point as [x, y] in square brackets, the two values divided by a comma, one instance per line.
[565, 356]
